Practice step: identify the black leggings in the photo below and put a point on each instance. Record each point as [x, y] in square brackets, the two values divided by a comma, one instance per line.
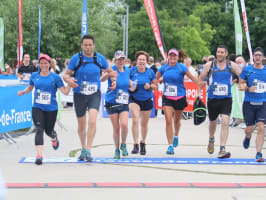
[43, 121]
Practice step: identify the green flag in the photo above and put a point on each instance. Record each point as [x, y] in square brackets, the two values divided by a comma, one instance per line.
[237, 95]
[238, 30]
[2, 30]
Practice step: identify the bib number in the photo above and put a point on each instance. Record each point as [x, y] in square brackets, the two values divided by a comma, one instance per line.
[88, 88]
[26, 76]
[170, 90]
[260, 87]
[122, 97]
[220, 90]
[43, 98]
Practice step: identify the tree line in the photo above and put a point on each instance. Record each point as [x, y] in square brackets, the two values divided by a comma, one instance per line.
[197, 26]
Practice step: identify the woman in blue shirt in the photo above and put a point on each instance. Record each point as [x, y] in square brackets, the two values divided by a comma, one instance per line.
[174, 95]
[44, 109]
[140, 100]
[116, 103]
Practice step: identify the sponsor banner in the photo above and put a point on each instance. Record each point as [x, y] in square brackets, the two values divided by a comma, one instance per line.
[15, 111]
[238, 30]
[84, 23]
[238, 98]
[40, 32]
[19, 45]
[245, 21]
[155, 26]
[191, 94]
[151, 160]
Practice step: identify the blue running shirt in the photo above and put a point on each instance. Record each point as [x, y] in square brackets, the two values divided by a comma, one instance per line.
[220, 84]
[142, 78]
[255, 77]
[120, 94]
[88, 75]
[173, 78]
[45, 90]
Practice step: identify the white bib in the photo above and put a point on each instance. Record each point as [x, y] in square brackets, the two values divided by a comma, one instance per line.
[88, 88]
[43, 98]
[170, 90]
[220, 90]
[122, 97]
[260, 87]
[26, 76]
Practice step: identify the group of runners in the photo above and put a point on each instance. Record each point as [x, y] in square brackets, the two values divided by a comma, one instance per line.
[130, 89]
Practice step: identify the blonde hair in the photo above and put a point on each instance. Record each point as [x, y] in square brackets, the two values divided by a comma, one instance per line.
[53, 65]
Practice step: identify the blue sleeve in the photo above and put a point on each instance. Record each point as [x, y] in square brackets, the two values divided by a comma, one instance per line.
[243, 73]
[31, 78]
[161, 69]
[74, 61]
[58, 81]
[102, 61]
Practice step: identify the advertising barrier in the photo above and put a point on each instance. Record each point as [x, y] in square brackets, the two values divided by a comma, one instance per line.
[191, 91]
[15, 111]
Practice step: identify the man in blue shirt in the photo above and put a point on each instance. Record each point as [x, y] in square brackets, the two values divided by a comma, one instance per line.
[219, 96]
[253, 82]
[87, 66]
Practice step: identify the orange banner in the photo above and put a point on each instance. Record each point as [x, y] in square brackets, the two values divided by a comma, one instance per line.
[191, 91]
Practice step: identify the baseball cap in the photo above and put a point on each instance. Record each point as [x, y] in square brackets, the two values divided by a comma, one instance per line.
[44, 56]
[119, 54]
[174, 51]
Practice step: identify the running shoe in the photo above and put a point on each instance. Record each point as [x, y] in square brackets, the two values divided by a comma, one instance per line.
[117, 154]
[123, 148]
[88, 157]
[224, 154]
[55, 143]
[170, 150]
[135, 149]
[142, 148]
[38, 160]
[259, 157]
[246, 142]
[82, 155]
[211, 146]
[175, 142]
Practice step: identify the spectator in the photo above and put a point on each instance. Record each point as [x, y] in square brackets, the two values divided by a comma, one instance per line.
[26, 69]
[188, 62]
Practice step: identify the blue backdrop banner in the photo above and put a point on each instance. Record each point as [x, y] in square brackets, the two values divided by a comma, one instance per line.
[15, 111]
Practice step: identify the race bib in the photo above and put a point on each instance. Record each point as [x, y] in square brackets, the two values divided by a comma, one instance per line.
[122, 97]
[88, 88]
[43, 98]
[260, 87]
[220, 90]
[170, 90]
[26, 76]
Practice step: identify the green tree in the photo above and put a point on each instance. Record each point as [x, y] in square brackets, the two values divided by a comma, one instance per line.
[61, 26]
[196, 38]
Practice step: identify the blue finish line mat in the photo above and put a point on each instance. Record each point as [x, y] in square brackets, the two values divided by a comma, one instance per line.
[149, 160]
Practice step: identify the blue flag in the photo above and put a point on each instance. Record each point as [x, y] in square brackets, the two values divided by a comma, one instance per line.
[40, 32]
[84, 23]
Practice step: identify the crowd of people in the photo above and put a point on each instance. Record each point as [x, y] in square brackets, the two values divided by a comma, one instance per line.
[130, 89]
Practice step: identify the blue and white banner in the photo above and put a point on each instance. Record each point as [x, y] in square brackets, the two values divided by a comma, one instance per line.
[40, 32]
[15, 111]
[84, 23]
